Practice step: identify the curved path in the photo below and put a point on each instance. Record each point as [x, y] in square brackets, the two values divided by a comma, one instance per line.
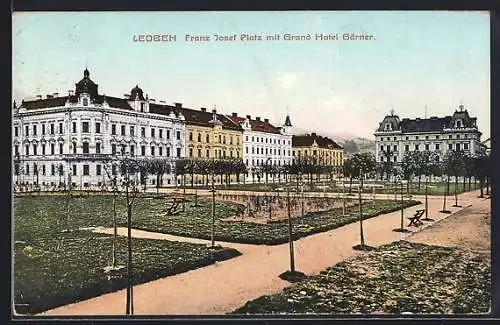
[221, 288]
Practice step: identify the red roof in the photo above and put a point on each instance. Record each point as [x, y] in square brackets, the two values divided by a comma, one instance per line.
[259, 126]
[307, 140]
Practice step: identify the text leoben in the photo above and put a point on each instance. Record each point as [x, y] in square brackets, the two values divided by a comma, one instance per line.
[154, 38]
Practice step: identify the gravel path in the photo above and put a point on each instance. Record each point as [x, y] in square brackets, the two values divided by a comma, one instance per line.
[221, 288]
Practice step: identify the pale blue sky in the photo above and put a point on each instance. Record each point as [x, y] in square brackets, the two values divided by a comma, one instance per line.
[418, 58]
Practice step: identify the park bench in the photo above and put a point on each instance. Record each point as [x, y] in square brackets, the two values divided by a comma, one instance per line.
[173, 208]
[415, 219]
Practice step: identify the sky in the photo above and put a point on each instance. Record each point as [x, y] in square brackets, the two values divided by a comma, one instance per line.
[416, 63]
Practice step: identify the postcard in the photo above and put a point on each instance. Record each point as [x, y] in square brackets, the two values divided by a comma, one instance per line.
[262, 163]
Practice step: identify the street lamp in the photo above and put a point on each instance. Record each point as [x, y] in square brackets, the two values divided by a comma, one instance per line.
[401, 228]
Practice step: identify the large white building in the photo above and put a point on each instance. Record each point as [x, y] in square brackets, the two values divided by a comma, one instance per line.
[394, 137]
[263, 143]
[57, 140]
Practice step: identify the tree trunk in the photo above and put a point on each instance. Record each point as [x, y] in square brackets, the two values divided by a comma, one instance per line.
[362, 236]
[481, 187]
[114, 230]
[290, 233]
[419, 177]
[129, 306]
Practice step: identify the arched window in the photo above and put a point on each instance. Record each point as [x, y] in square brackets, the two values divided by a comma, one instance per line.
[85, 102]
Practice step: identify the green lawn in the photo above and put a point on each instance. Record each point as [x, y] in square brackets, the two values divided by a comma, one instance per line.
[399, 277]
[53, 267]
[196, 222]
[434, 188]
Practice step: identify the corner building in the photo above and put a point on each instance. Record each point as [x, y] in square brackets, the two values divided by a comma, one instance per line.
[70, 139]
[440, 135]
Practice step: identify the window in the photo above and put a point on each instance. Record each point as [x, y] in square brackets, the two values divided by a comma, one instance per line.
[74, 147]
[246, 150]
[27, 150]
[113, 148]
[436, 146]
[426, 147]
[395, 159]
[27, 169]
[34, 129]
[190, 136]
[395, 148]
[437, 137]
[60, 148]
[407, 138]
[466, 146]
[74, 170]
[449, 136]
[98, 170]
[450, 146]
[97, 127]
[152, 151]
[199, 153]
[122, 149]
[74, 127]
[178, 136]
[61, 128]
[143, 132]
[152, 132]
[52, 128]
[458, 136]
[231, 140]
[416, 147]
[178, 151]
[143, 150]
[458, 146]
[199, 137]
[253, 150]
[168, 134]
[52, 170]
[16, 132]
[132, 131]
[86, 170]
[381, 148]
[43, 129]
[123, 130]
[160, 151]
[113, 129]
[190, 152]
[142, 107]
[85, 147]
[16, 149]
[34, 149]
[43, 169]
[113, 170]
[208, 138]
[85, 127]
[85, 102]
[168, 151]
[407, 147]
[132, 150]
[208, 153]
[97, 147]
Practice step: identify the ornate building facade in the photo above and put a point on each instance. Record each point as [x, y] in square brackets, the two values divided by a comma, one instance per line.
[264, 143]
[394, 136]
[70, 139]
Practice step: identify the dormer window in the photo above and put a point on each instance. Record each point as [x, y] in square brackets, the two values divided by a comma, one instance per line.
[458, 124]
[85, 102]
[388, 126]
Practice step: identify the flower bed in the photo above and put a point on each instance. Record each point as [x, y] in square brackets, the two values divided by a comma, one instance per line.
[196, 222]
[395, 278]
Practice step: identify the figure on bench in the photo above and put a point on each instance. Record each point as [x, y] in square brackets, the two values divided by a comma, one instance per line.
[415, 220]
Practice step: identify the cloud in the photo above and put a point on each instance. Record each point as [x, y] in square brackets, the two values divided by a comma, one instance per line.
[287, 80]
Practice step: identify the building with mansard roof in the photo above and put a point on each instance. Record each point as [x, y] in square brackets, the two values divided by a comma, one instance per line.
[71, 139]
[394, 136]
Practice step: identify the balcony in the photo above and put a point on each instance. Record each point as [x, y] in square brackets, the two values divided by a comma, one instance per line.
[88, 156]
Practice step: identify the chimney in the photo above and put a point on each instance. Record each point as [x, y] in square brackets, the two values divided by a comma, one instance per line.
[49, 96]
[55, 94]
[203, 109]
[249, 117]
[70, 92]
[214, 111]
[178, 105]
[126, 96]
[39, 96]
[257, 118]
[162, 101]
[153, 100]
[266, 120]
[313, 134]
[235, 114]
